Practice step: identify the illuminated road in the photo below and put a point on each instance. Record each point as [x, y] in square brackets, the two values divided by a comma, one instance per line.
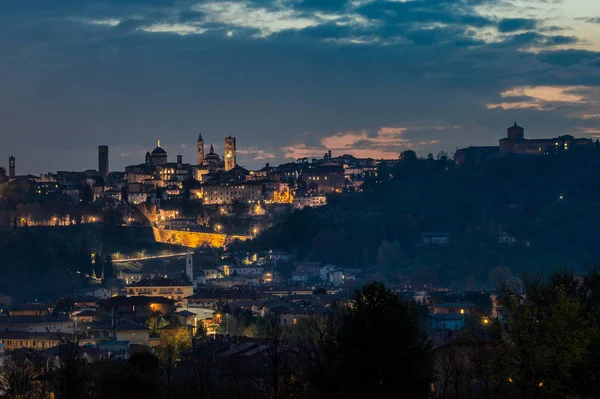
[149, 257]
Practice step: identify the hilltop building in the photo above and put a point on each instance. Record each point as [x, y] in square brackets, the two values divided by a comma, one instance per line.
[515, 143]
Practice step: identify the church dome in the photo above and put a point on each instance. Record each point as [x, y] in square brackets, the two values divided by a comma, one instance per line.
[159, 151]
[212, 155]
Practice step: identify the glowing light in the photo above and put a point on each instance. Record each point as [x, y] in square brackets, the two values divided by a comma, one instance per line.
[462, 311]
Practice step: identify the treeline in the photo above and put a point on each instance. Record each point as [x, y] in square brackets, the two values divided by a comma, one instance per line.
[548, 202]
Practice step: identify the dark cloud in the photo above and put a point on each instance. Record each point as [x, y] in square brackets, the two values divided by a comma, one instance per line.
[516, 24]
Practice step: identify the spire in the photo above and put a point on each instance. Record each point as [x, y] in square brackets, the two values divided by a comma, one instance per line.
[158, 144]
[200, 136]
[212, 150]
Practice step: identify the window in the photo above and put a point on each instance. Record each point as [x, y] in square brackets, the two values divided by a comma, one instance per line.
[462, 311]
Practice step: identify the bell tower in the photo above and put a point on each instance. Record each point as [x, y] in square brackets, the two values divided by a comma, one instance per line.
[230, 159]
[11, 166]
[200, 149]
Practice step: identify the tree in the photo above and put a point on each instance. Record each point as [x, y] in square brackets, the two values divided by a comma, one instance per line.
[172, 343]
[124, 194]
[385, 334]
[87, 195]
[108, 269]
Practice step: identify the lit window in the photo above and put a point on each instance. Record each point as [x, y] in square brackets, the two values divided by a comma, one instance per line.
[462, 311]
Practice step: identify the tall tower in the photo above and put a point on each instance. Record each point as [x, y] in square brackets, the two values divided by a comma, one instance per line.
[200, 149]
[11, 166]
[230, 160]
[103, 160]
[189, 268]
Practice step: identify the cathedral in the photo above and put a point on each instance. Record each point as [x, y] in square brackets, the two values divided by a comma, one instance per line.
[212, 162]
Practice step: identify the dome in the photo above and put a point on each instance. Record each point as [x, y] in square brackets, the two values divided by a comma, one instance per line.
[159, 151]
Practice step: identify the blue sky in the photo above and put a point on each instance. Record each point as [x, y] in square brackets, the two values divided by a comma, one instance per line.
[290, 78]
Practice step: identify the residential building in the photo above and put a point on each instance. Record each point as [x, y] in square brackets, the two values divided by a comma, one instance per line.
[38, 324]
[161, 287]
[461, 308]
[11, 340]
[314, 200]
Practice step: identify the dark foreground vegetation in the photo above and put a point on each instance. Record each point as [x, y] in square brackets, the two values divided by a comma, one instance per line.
[545, 343]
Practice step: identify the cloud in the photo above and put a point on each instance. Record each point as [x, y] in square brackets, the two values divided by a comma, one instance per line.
[256, 154]
[516, 24]
[127, 72]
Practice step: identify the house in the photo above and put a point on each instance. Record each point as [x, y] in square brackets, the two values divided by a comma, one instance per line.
[30, 309]
[462, 308]
[161, 287]
[336, 277]
[241, 270]
[430, 238]
[139, 306]
[124, 331]
[325, 272]
[310, 268]
[38, 324]
[85, 317]
[11, 340]
[298, 277]
[450, 322]
[276, 256]
[98, 292]
[187, 318]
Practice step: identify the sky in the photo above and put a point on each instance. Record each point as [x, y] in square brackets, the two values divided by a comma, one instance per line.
[289, 78]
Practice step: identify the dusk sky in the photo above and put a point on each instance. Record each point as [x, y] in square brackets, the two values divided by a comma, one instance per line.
[289, 78]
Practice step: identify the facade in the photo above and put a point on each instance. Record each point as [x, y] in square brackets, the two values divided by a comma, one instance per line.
[311, 201]
[325, 179]
[161, 287]
[220, 194]
[37, 324]
[11, 340]
[230, 155]
[454, 308]
[103, 160]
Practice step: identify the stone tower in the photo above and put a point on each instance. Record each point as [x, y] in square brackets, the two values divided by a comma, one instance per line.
[103, 160]
[189, 268]
[11, 166]
[229, 155]
[200, 149]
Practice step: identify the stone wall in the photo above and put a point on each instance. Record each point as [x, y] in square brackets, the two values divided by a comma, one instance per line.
[193, 239]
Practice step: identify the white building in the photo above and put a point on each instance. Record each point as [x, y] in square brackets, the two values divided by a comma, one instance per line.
[310, 201]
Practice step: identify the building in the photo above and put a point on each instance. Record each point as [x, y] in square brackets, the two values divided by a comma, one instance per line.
[34, 340]
[220, 194]
[515, 143]
[161, 287]
[103, 160]
[314, 200]
[435, 238]
[30, 309]
[38, 324]
[230, 153]
[325, 179]
[12, 171]
[158, 156]
[455, 308]
[200, 150]
[445, 321]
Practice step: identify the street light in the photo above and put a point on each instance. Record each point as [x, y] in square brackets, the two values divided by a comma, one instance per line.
[255, 231]
[218, 227]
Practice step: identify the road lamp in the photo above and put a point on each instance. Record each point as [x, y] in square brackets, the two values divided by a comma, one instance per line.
[255, 231]
[218, 227]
